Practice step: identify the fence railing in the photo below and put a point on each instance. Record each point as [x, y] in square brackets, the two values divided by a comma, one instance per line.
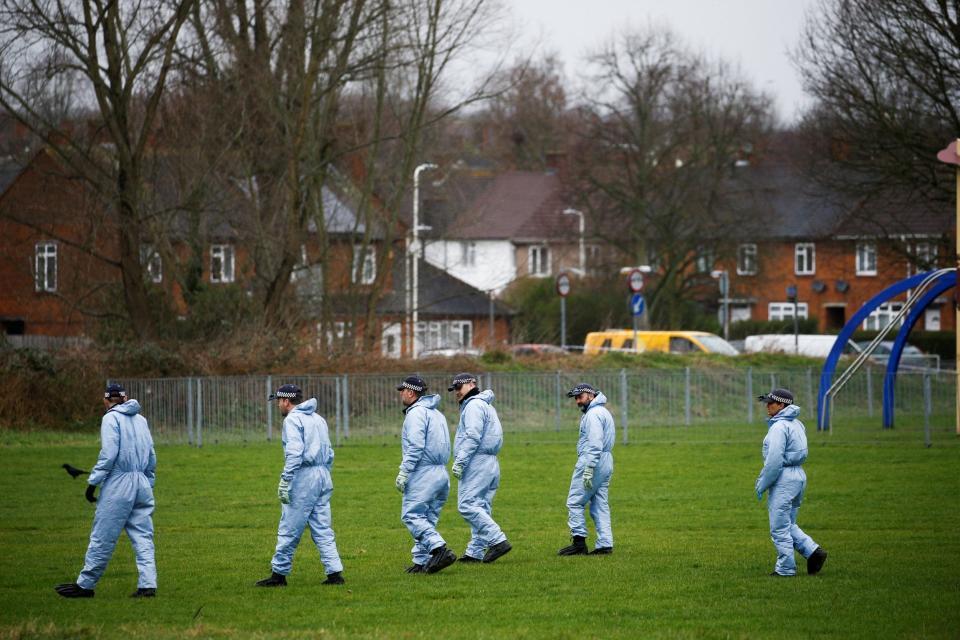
[364, 407]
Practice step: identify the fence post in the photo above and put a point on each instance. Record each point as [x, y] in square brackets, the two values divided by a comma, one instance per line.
[199, 421]
[339, 403]
[190, 400]
[927, 409]
[269, 409]
[559, 393]
[345, 383]
[749, 395]
[686, 395]
[869, 390]
[810, 386]
[624, 413]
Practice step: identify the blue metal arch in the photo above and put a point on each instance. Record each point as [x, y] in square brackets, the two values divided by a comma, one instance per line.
[943, 283]
[830, 365]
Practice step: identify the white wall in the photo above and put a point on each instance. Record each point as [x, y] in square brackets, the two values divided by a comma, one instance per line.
[494, 265]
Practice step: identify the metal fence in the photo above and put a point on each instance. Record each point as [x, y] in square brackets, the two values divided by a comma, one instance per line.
[365, 408]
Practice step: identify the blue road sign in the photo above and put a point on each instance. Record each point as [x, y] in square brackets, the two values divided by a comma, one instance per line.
[637, 304]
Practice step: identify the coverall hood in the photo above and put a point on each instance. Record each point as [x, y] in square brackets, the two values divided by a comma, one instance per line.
[430, 402]
[598, 400]
[308, 406]
[790, 412]
[129, 408]
[487, 396]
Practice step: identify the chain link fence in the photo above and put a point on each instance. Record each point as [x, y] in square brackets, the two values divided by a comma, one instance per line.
[366, 407]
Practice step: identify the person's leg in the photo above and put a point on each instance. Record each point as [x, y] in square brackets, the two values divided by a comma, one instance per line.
[475, 497]
[321, 530]
[801, 541]
[140, 531]
[577, 498]
[600, 512]
[779, 505]
[416, 513]
[113, 508]
[293, 519]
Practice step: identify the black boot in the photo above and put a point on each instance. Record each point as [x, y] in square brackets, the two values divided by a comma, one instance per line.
[497, 550]
[440, 559]
[144, 592]
[73, 590]
[579, 547]
[816, 560]
[602, 551]
[334, 578]
[468, 559]
[415, 568]
[275, 580]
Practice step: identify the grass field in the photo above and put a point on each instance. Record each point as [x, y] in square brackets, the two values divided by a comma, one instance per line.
[692, 547]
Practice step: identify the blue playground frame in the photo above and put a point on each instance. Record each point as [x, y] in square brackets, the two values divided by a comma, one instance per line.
[946, 281]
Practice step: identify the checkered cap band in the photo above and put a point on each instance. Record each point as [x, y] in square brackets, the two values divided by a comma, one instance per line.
[412, 387]
[114, 390]
[460, 379]
[286, 394]
[783, 396]
[581, 388]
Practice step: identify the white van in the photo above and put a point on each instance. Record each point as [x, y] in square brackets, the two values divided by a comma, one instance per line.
[810, 345]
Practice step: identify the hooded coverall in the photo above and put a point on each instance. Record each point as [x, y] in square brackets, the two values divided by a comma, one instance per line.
[594, 449]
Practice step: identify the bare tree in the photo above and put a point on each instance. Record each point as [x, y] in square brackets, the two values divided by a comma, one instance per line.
[885, 75]
[87, 78]
[662, 129]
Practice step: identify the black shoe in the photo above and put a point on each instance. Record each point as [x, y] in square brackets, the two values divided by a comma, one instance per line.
[779, 575]
[73, 590]
[469, 559]
[416, 568]
[816, 560]
[440, 559]
[144, 592]
[497, 550]
[334, 578]
[602, 551]
[275, 580]
[579, 547]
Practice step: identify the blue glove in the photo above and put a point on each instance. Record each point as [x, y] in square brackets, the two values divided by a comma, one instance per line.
[588, 478]
[457, 470]
[401, 482]
[283, 492]
[759, 496]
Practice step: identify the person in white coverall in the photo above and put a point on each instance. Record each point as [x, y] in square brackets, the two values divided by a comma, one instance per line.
[475, 448]
[591, 475]
[305, 487]
[125, 472]
[422, 479]
[782, 477]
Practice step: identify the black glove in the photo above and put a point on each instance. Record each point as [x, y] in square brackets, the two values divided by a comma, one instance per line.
[90, 489]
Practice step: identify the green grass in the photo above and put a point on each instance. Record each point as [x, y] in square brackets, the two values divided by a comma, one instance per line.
[692, 546]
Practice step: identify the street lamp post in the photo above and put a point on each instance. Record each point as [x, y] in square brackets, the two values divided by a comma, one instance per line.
[724, 277]
[583, 253]
[415, 250]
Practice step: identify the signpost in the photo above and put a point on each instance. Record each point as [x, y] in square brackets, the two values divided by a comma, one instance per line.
[563, 290]
[951, 155]
[637, 303]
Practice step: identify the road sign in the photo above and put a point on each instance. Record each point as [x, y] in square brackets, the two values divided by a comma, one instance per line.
[637, 304]
[792, 293]
[635, 281]
[563, 284]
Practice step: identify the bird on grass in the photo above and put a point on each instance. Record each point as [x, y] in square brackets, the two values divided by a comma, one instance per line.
[73, 471]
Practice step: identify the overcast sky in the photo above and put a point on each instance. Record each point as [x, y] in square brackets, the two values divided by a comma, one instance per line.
[756, 34]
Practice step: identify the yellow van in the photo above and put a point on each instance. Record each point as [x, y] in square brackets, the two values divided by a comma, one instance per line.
[660, 341]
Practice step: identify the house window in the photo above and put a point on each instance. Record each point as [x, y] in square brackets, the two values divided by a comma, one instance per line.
[882, 316]
[45, 266]
[705, 260]
[390, 340]
[339, 334]
[925, 256]
[301, 268]
[805, 259]
[221, 263]
[468, 254]
[447, 334]
[364, 264]
[866, 259]
[747, 260]
[784, 310]
[594, 257]
[150, 259]
[539, 261]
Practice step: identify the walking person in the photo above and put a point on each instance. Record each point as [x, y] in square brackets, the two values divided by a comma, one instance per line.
[305, 487]
[475, 465]
[125, 472]
[423, 479]
[783, 478]
[591, 475]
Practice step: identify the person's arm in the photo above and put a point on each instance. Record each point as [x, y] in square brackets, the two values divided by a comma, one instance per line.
[292, 450]
[473, 422]
[151, 470]
[109, 448]
[413, 439]
[773, 464]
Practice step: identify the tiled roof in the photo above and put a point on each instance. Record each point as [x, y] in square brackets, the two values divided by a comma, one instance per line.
[440, 295]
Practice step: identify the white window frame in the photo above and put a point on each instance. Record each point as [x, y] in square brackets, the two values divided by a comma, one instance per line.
[444, 334]
[225, 254]
[45, 262]
[706, 258]
[784, 310]
[883, 315]
[538, 260]
[152, 262]
[807, 252]
[747, 260]
[391, 331]
[867, 258]
[925, 252]
[364, 264]
[468, 253]
[301, 268]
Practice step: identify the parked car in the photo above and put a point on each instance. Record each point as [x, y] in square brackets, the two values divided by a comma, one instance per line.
[660, 341]
[450, 353]
[810, 345]
[532, 349]
[911, 356]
